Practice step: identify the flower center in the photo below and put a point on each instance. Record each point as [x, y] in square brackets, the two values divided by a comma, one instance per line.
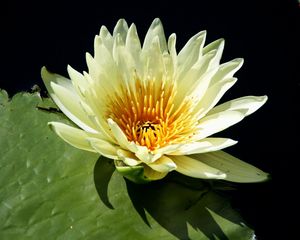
[148, 114]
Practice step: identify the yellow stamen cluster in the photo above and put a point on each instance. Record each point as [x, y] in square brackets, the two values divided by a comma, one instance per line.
[148, 116]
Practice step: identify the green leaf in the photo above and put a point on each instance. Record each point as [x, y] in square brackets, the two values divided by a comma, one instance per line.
[50, 190]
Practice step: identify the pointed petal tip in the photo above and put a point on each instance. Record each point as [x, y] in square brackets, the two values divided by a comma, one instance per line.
[156, 21]
[231, 142]
[239, 61]
[103, 31]
[264, 98]
[70, 69]
[88, 55]
[201, 34]
[45, 73]
[121, 23]
[43, 69]
[132, 29]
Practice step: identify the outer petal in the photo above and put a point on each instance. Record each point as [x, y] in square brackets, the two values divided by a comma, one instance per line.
[103, 147]
[163, 164]
[189, 54]
[155, 30]
[235, 169]
[249, 104]
[227, 70]
[217, 122]
[121, 137]
[106, 39]
[71, 106]
[206, 145]
[133, 46]
[197, 79]
[153, 61]
[121, 29]
[73, 136]
[217, 45]
[52, 77]
[212, 96]
[79, 82]
[96, 105]
[128, 157]
[147, 157]
[194, 168]
[64, 95]
[172, 49]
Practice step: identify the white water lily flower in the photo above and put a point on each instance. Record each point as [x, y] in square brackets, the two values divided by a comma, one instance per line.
[151, 109]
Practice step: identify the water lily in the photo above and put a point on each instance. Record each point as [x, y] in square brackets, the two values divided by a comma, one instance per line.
[152, 110]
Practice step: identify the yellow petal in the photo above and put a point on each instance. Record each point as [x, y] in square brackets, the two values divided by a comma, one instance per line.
[194, 168]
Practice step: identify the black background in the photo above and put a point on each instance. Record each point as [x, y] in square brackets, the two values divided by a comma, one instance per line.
[264, 33]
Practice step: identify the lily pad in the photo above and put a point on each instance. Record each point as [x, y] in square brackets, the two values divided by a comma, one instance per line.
[50, 190]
